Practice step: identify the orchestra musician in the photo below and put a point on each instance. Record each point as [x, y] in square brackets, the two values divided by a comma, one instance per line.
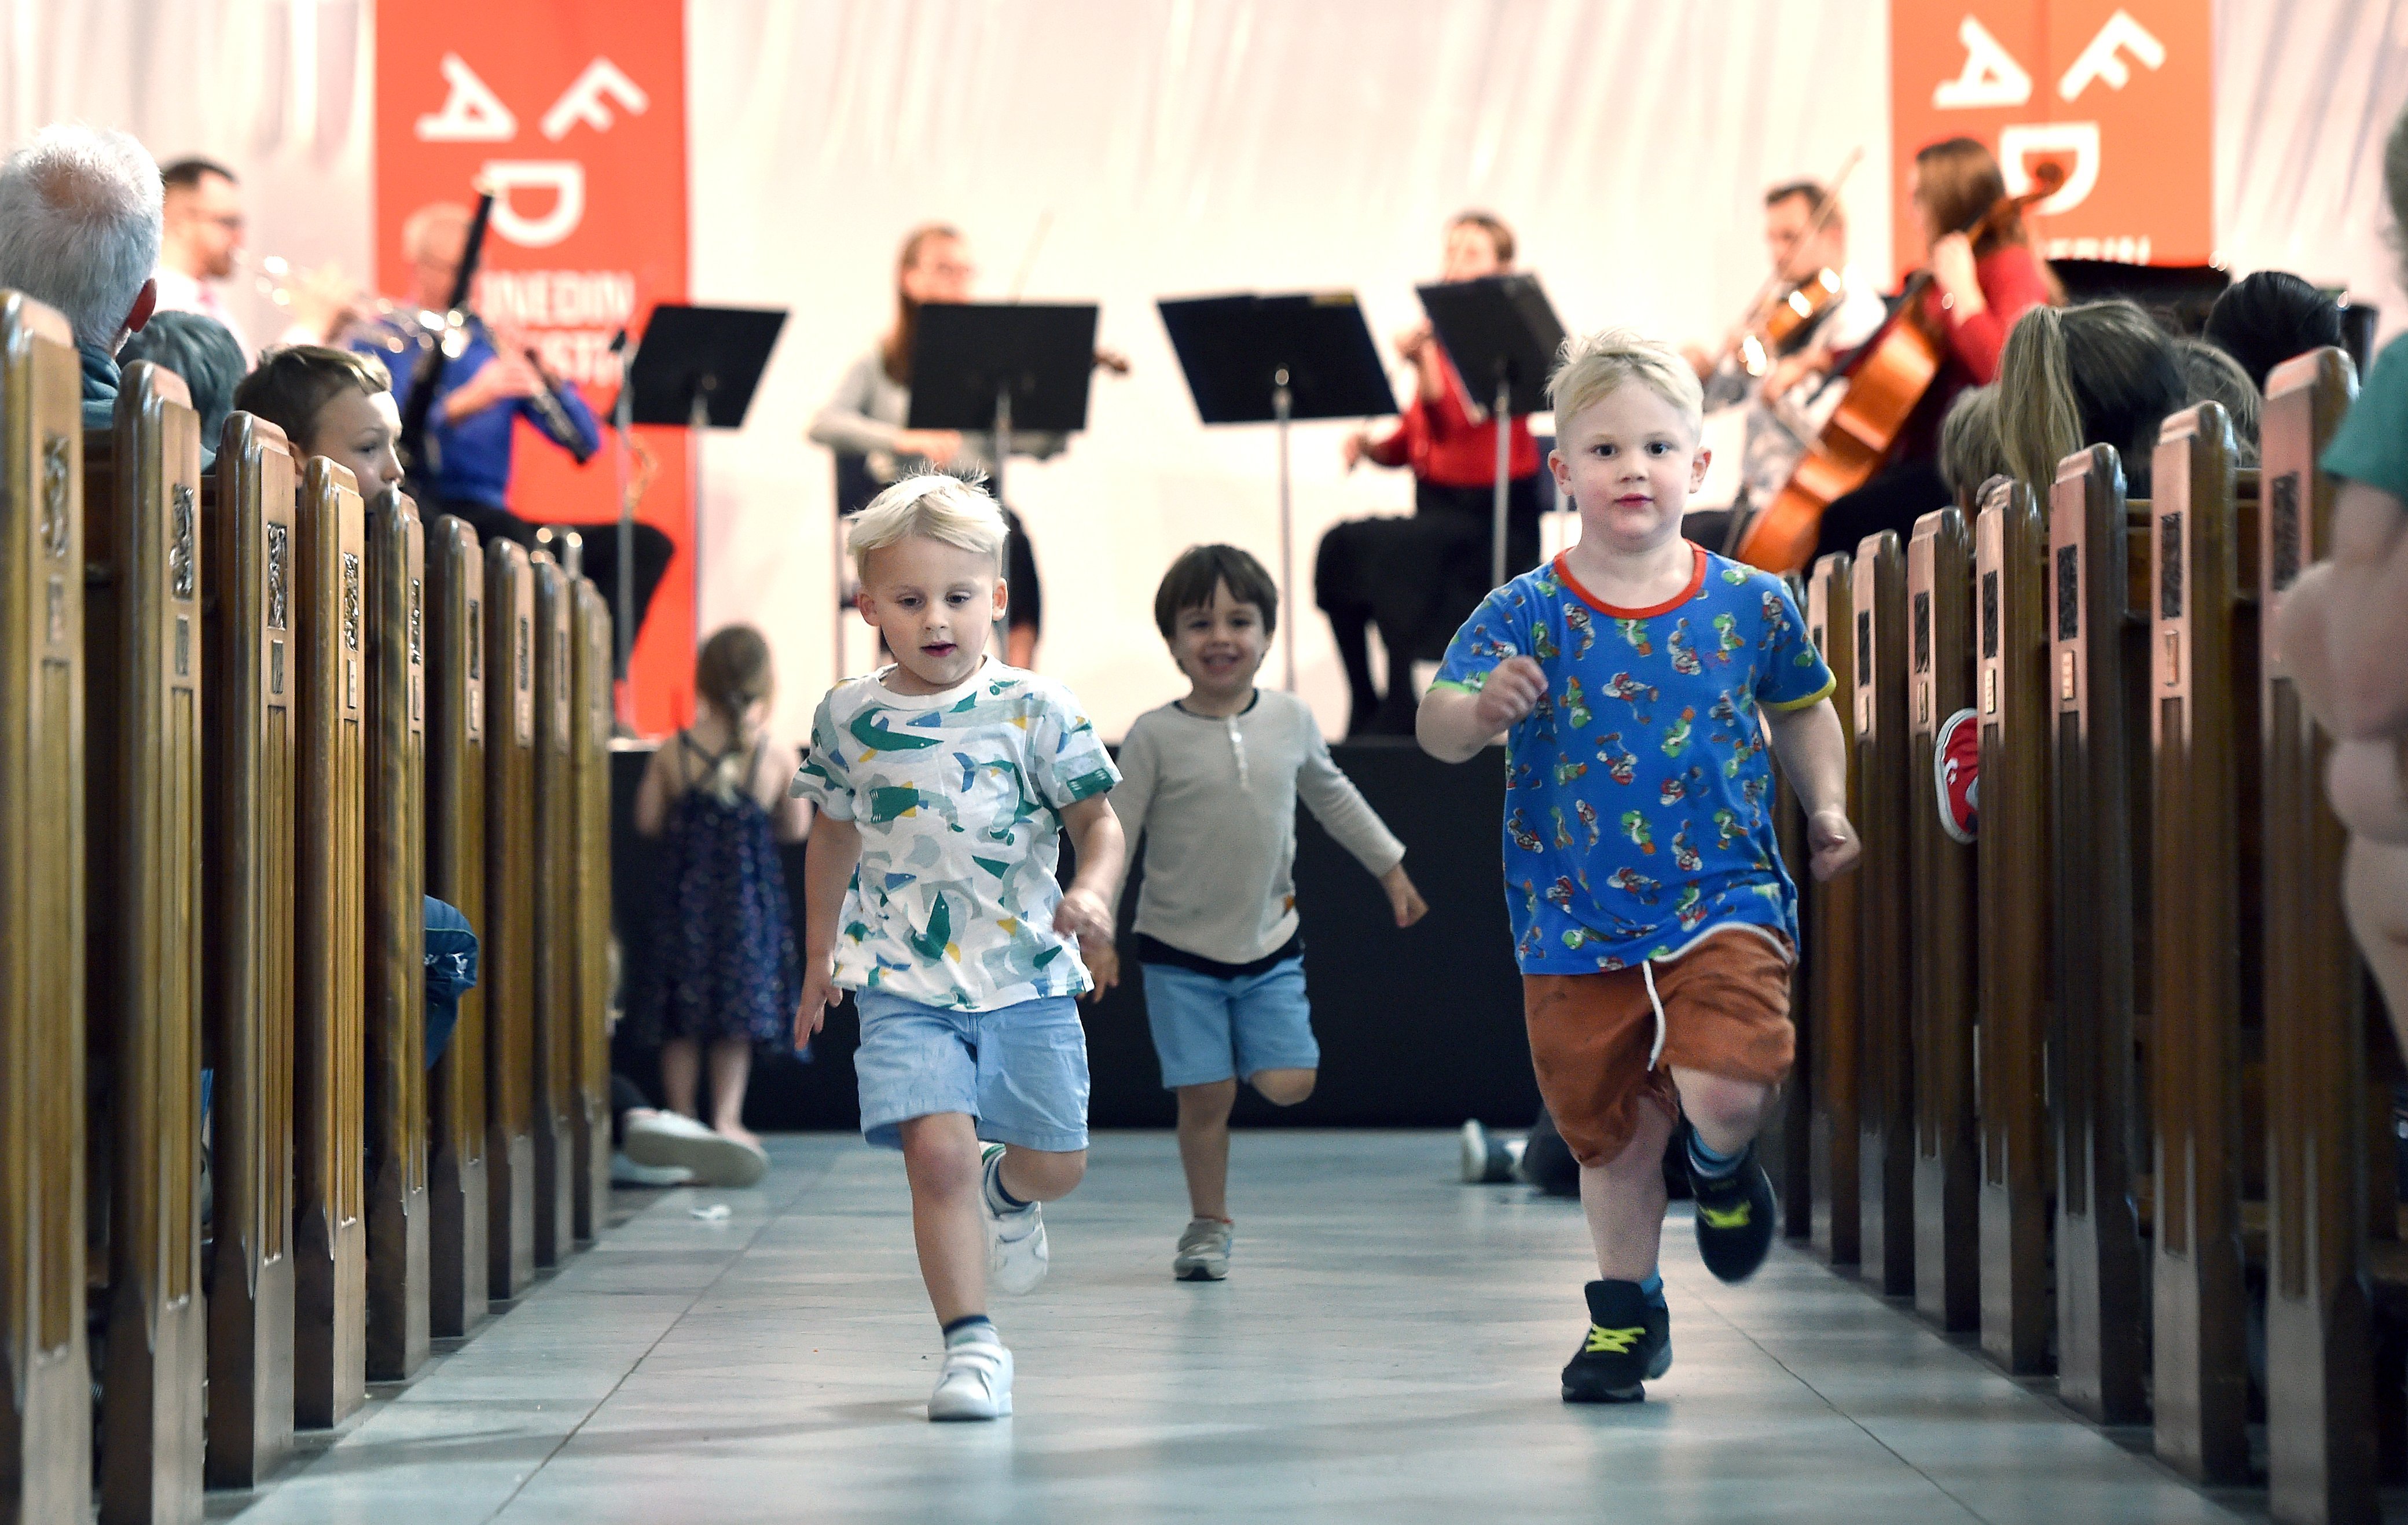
[1782, 386]
[1976, 293]
[864, 421]
[489, 385]
[1418, 578]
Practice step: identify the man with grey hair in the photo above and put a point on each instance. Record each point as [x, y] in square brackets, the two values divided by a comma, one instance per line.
[80, 226]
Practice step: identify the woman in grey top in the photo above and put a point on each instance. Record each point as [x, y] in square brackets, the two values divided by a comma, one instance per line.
[863, 421]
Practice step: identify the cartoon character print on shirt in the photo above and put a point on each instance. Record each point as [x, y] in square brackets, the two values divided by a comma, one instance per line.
[1643, 782]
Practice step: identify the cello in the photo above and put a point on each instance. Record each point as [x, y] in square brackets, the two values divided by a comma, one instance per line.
[1886, 381]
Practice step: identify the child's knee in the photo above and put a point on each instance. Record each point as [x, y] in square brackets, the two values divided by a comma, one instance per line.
[1043, 1175]
[1285, 1088]
[1720, 1103]
[1207, 1106]
[937, 1163]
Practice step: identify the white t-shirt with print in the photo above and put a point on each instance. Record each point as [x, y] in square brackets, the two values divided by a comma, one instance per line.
[958, 796]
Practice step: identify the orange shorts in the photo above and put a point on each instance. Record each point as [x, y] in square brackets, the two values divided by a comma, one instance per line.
[1725, 1012]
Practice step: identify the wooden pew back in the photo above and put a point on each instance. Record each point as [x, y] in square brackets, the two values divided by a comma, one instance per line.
[1939, 683]
[45, 1378]
[458, 1274]
[1886, 1094]
[1833, 955]
[330, 1230]
[555, 917]
[590, 721]
[2010, 699]
[248, 696]
[507, 949]
[396, 955]
[142, 640]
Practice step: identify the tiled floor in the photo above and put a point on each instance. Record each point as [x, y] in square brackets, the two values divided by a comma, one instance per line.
[1386, 1349]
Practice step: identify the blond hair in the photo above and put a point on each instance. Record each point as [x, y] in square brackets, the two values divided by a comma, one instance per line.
[1594, 365]
[935, 506]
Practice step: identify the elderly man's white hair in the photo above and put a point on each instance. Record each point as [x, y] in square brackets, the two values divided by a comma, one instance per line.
[79, 219]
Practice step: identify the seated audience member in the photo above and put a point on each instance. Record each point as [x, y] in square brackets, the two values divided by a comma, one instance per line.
[2099, 374]
[1970, 453]
[332, 403]
[450, 972]
[2211, 375]
[204, 352]
[2263, 319]
[79, 219]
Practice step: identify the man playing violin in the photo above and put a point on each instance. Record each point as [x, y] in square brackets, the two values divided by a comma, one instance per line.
[1817, 309]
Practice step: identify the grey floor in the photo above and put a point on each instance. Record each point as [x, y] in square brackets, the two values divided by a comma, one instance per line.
[1384, 1349]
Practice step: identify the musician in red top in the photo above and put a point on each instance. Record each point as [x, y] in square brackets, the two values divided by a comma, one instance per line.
[1976, 293]
[1419, 579]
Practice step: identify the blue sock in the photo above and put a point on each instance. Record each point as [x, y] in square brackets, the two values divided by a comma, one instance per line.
[969, 1326]
[1708, 1165]
[1653, 1288]
[997, 1198]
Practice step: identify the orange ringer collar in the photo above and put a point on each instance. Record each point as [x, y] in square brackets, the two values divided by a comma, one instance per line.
[1697, 582]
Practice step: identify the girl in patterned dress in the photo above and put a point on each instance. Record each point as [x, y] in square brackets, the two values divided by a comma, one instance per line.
[715, 798]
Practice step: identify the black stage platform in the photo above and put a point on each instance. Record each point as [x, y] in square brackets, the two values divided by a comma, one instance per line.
[1419, 1029]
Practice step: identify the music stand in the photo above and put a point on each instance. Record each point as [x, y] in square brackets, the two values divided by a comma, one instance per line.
[1253, 359]
[992, 367]
[1499, 329]
[695, 369]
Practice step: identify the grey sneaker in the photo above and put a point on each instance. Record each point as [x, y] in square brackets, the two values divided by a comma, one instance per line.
[1203, 1251]
[1016, 1255]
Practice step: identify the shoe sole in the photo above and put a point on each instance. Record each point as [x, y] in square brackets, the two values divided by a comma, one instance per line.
[1475, 1154]
[1002, 1411]
[714, 1161]
[1635, 1394]
[1199, 1273]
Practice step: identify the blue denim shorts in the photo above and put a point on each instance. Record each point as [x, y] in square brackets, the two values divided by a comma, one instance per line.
[1020, 1070]
[1208, 1029]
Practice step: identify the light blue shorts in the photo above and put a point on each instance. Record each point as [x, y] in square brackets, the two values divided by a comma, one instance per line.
[1208, 1029]
[1020, 1070]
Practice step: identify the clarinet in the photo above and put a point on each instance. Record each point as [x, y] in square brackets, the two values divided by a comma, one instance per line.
[547, 404]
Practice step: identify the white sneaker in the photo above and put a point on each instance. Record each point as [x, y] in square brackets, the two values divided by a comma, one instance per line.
[1203, 1251]
[625, 1172]
[975, 1383]
[1015, 1241]
[672, 1138]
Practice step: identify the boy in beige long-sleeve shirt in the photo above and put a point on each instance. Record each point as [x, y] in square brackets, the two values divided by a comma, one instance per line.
[1212, 782]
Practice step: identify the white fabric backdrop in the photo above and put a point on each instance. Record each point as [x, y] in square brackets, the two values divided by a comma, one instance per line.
[1189, 146]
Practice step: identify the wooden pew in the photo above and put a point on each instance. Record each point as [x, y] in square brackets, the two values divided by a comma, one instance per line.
[1788, 1131]
[593, 654]
[2009, 566]
[142, 645]
[2100, 682]
[2321, 1415]
[249, 686]
[1885, 1057]
[506, 950]
[1947, 1156]
[459, 1276]
[330, 1229]
[394, 962]
[555, 919]
[2204, 679]
[1832, 955]
[45, 1376]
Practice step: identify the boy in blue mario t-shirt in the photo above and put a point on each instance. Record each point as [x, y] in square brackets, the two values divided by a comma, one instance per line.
[1640, 682]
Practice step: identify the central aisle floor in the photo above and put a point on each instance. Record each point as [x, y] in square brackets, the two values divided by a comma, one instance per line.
[1384, 1349]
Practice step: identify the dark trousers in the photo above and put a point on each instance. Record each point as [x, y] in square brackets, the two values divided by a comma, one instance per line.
[1418, 580]
[601, 551]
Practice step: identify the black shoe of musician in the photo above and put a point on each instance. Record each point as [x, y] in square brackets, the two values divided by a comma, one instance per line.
[1736, 1217]
[1629, 1341]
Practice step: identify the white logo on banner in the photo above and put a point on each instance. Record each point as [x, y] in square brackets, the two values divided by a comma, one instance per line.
[2100, 61]
[564, 178]
[471, 113]
[584, 101]
[1990, 76]
[2018, 145]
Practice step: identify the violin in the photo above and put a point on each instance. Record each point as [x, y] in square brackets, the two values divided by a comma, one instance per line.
[1783, 312]
[1886, 383]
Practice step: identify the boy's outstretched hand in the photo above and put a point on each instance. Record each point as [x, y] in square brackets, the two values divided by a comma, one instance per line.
[819, 993]
[1103, 963]
[1513, 690]
[1084, 916]
[1831, 843]
[1403, 898]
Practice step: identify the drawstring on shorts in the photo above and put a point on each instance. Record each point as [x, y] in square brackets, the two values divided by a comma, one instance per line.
[1647, 972]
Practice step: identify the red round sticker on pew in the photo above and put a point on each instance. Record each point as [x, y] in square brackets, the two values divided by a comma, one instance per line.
[1957, 772]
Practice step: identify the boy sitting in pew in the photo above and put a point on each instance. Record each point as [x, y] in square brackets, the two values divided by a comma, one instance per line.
[1640, 681]
[331, 403]
[2345, 624]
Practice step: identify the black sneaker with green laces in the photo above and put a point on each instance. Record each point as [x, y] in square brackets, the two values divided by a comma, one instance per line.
[1736, 1217]
[1629, 1341]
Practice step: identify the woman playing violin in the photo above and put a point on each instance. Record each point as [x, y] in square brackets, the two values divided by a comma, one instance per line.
[1977, 291]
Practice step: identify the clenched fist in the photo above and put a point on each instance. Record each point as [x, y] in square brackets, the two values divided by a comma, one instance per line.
[1512, 691]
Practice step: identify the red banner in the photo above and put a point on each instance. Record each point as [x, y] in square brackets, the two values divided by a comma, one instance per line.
[575, 113]
[2119, 93]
